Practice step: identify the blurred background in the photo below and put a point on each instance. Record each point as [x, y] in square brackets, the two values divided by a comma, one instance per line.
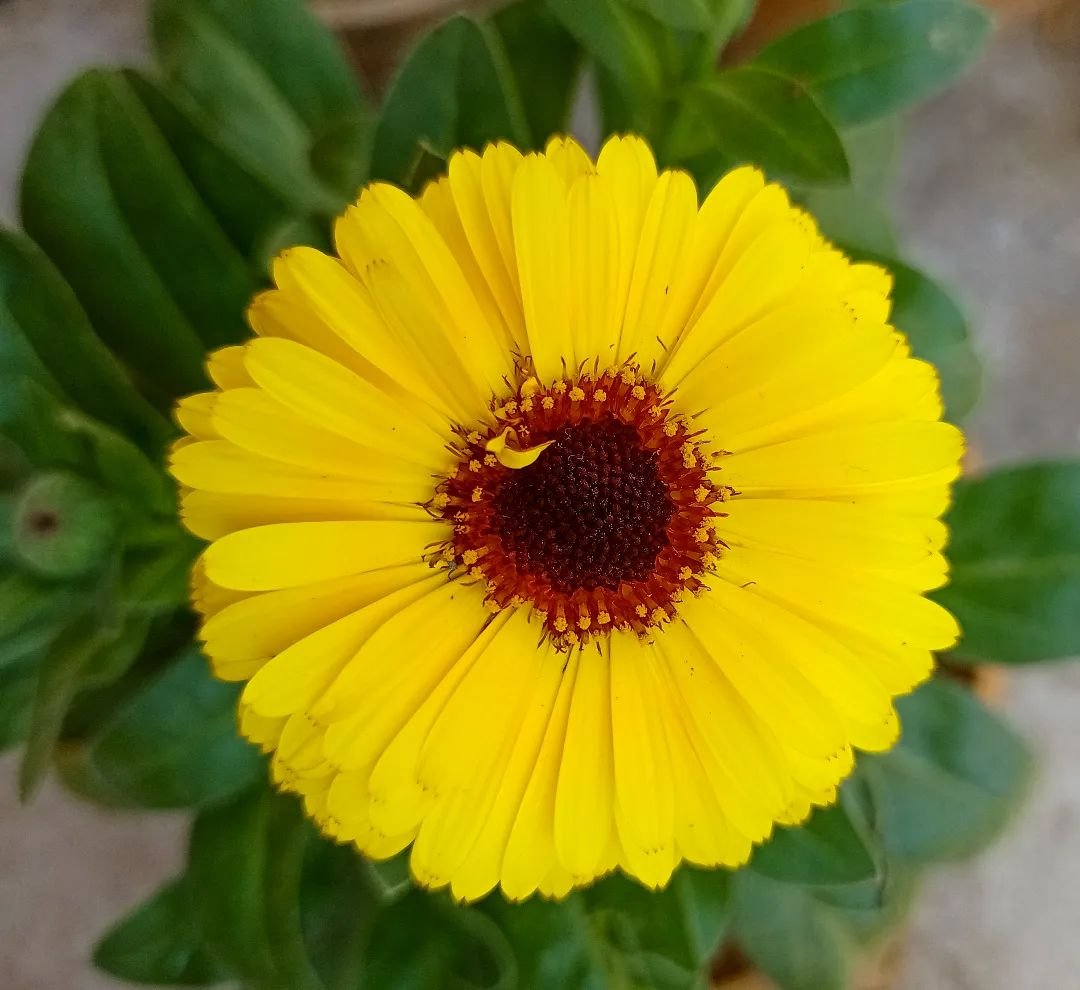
[988, 200]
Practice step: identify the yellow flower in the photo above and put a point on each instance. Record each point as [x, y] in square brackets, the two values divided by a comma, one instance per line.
[565, 525]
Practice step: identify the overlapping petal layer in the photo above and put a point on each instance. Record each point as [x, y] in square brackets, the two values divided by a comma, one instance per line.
[392, 700]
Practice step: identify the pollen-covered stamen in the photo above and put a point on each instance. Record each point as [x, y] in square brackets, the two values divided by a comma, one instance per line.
[598, 510]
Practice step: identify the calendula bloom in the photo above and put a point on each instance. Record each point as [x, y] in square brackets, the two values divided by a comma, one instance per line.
[562, 524]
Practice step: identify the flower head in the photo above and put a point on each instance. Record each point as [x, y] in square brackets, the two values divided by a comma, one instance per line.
[563, 524]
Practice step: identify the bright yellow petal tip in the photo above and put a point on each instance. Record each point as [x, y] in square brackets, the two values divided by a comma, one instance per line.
[567, 521]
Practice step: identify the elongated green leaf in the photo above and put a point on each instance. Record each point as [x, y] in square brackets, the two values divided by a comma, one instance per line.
[235, 188]
[227, 863]
[454, 90]
[156, 753]
[874, 59]
[296, 53]
[58, 680]
[105, 198]
[245, 866]
[789, 935]
[620, 41]
[692, 15]
[336, 913]
[545, 61]
[954, 780]
[18, 682]
[159, 942]
[271, 88]
[38, 308]
[389, 879]
[827, 849]
[754, 116]
[1015, 555]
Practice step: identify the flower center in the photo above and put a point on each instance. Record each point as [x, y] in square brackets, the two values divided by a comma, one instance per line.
[588, 500]
[591, 512]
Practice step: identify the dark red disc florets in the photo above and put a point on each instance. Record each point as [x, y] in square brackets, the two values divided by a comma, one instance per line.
[608, 527]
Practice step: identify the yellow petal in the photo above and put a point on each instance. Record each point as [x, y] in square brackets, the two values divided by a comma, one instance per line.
[287, 555]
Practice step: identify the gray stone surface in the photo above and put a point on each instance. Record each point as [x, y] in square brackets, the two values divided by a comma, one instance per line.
[989, 200]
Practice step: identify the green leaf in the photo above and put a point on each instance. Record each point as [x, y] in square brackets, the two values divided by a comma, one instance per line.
[73, 649]
[789, 935]
[691, 15]
[18, 682]
[954, 780]
[121, 466]
[36, 303]
[159, 942]
[875, 59]
[545, 61]
[622, 42]
[424, 941]
[336, 913]
[754, 116]
[550, 941]
[391, 878]
[156, 753]
[1015, 563]
[271, 88]
[847, 216]
[827, 849]
[236, 190]
[295, 52]
[454, 90]
[105, 197]
[227, 864]
[664, 937]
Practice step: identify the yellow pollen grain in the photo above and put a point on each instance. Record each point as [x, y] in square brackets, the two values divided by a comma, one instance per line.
[658, 615]
[469, 557]
[561, 624]
[449, 555]
[517, 600]
[685, 574]
[641, 610]
[511, 407]
[492, 605]
[577, 394]
[603, 618]
[638, 392]
[526, 405]
[671, 428]
[600, 395]
[474, 465]
[654, 411]
[490, 460]
[702, 534]
[628, 377]
[547, 402]
[584, 622]
[475, 437]
[441, 500]
[476, 572]
[701, 493]
[572, 638]
[559, 387]
[477, 494]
